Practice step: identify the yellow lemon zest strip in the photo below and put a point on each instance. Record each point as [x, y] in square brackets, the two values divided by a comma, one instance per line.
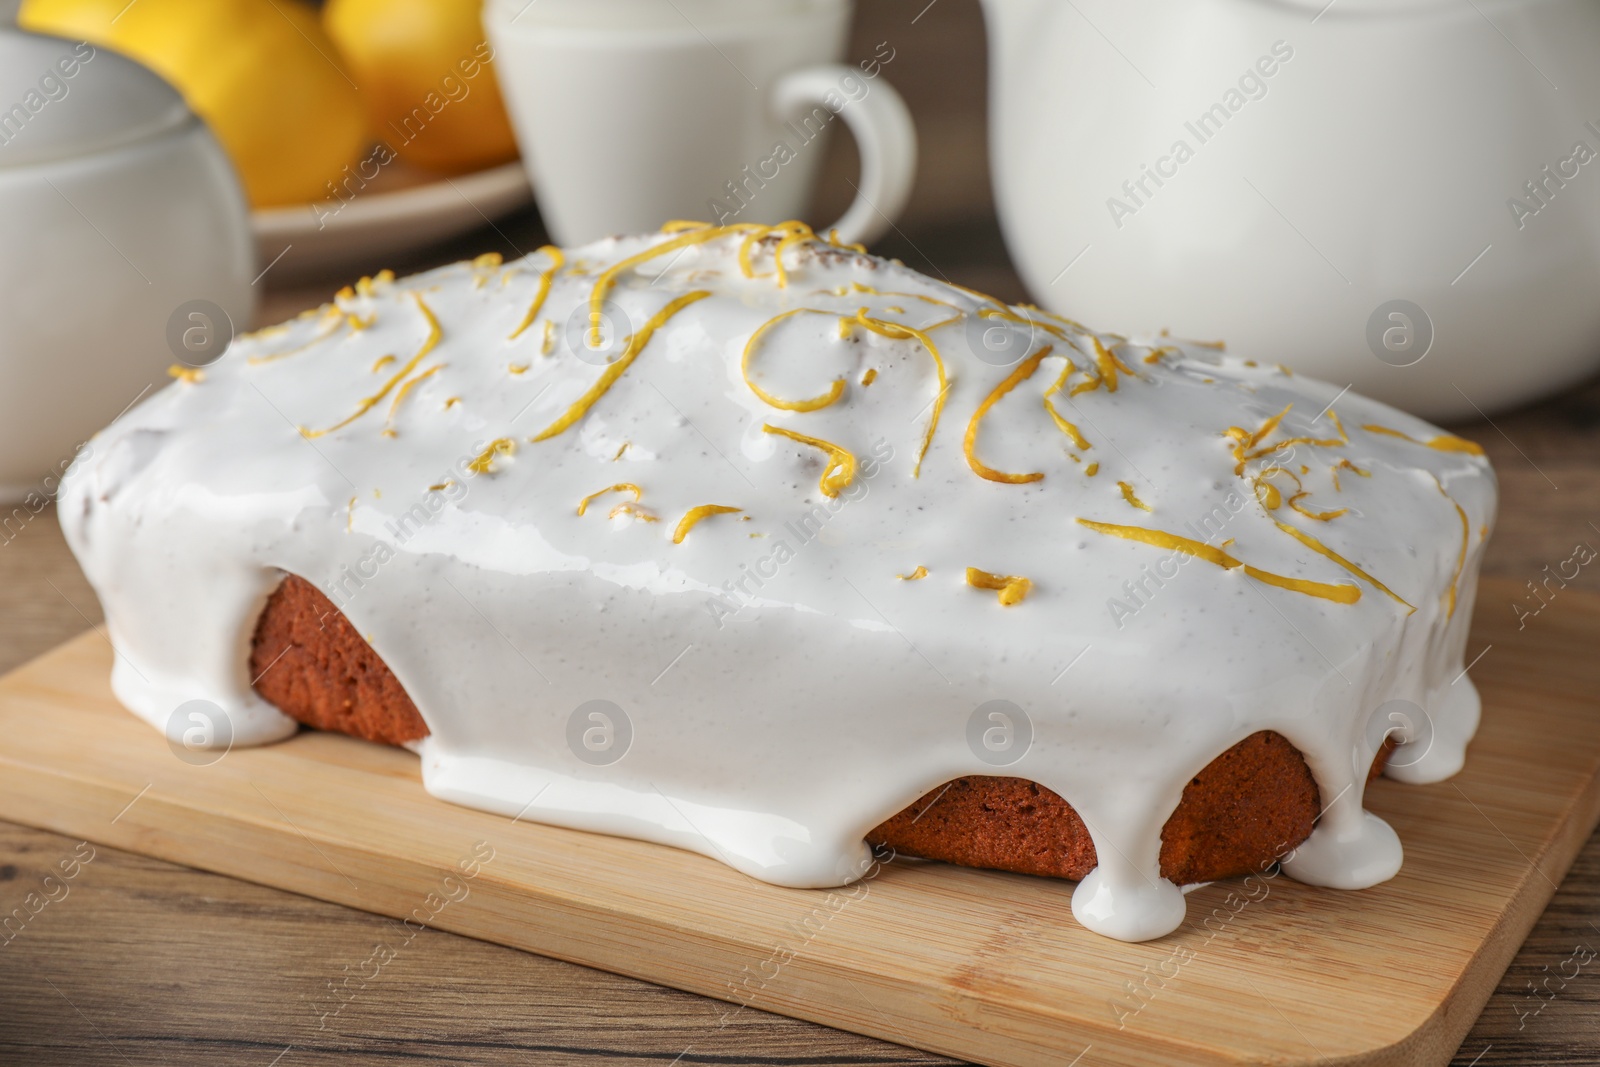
[1132, 498]
[1012, 588]
[368, 286]
[408, 385]
[187, 375]
[1341, 594]
[484, 464]
[895, 331]
[1461, 560]
[620, 487]
[558, 260]
[680, 225]
[1279, 446]
[802, 234]
[1093, 380]
[382, 362]
[1108, 364]
[870, 376]
[841, 468]
[694, 515]
[1345, 464]
[1080, 327]
[374, 400]
[814, 403]
[333, 318]
[1011, 316]
[1443, 443]
[1024, 371]
[833, 239]
[1320, 516]
[608, 277]
[857, 287]
[1068, 428]
[628, 507]
[1245, 447]
[1092, 469]
[755, 232]
[1270, 496]
[957, 317]
[1323, 550]
[915, 576]
[635, 345]
[1449, 598]
[1267, 427]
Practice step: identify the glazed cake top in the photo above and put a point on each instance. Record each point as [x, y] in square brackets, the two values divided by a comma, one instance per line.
[803, 515]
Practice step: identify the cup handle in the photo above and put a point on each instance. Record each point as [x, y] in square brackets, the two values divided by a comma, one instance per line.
[884, 133]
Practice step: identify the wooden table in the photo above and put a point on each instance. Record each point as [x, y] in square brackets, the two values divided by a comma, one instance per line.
[146, 962]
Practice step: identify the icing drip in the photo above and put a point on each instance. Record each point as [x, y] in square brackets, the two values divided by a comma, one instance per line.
[786, 682]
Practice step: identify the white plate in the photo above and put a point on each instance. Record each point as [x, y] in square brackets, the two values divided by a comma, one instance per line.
[402, 209]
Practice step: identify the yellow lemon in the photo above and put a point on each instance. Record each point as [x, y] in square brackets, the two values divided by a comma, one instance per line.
[262, 73]
[426, 79]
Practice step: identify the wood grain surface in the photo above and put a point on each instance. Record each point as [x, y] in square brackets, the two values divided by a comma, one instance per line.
[148, 962]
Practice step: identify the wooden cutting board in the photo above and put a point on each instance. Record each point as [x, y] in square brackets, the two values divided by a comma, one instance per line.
[982, 965]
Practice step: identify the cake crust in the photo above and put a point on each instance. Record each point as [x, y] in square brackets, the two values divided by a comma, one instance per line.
[1252, 804]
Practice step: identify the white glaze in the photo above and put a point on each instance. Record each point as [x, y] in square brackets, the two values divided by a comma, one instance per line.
[836, 693]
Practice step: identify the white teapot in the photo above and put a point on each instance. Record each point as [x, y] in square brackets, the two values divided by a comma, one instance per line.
[1401, 195]
[121, 220]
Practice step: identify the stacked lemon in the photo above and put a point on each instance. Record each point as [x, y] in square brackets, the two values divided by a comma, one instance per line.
[296, 97]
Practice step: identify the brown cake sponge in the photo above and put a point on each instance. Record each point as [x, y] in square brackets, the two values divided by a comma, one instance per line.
[1250, 805]
[308, 660]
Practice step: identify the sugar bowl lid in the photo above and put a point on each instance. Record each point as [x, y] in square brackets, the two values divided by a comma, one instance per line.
[61, 99]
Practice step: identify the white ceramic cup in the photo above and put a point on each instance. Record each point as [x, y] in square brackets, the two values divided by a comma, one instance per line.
[631, 113]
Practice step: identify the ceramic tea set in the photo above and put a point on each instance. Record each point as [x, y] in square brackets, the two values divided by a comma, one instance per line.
[1398, 195]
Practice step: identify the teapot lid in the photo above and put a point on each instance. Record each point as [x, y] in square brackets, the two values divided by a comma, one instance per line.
[62, 98]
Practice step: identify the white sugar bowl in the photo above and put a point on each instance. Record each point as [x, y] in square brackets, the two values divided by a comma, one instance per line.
[120, 220]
